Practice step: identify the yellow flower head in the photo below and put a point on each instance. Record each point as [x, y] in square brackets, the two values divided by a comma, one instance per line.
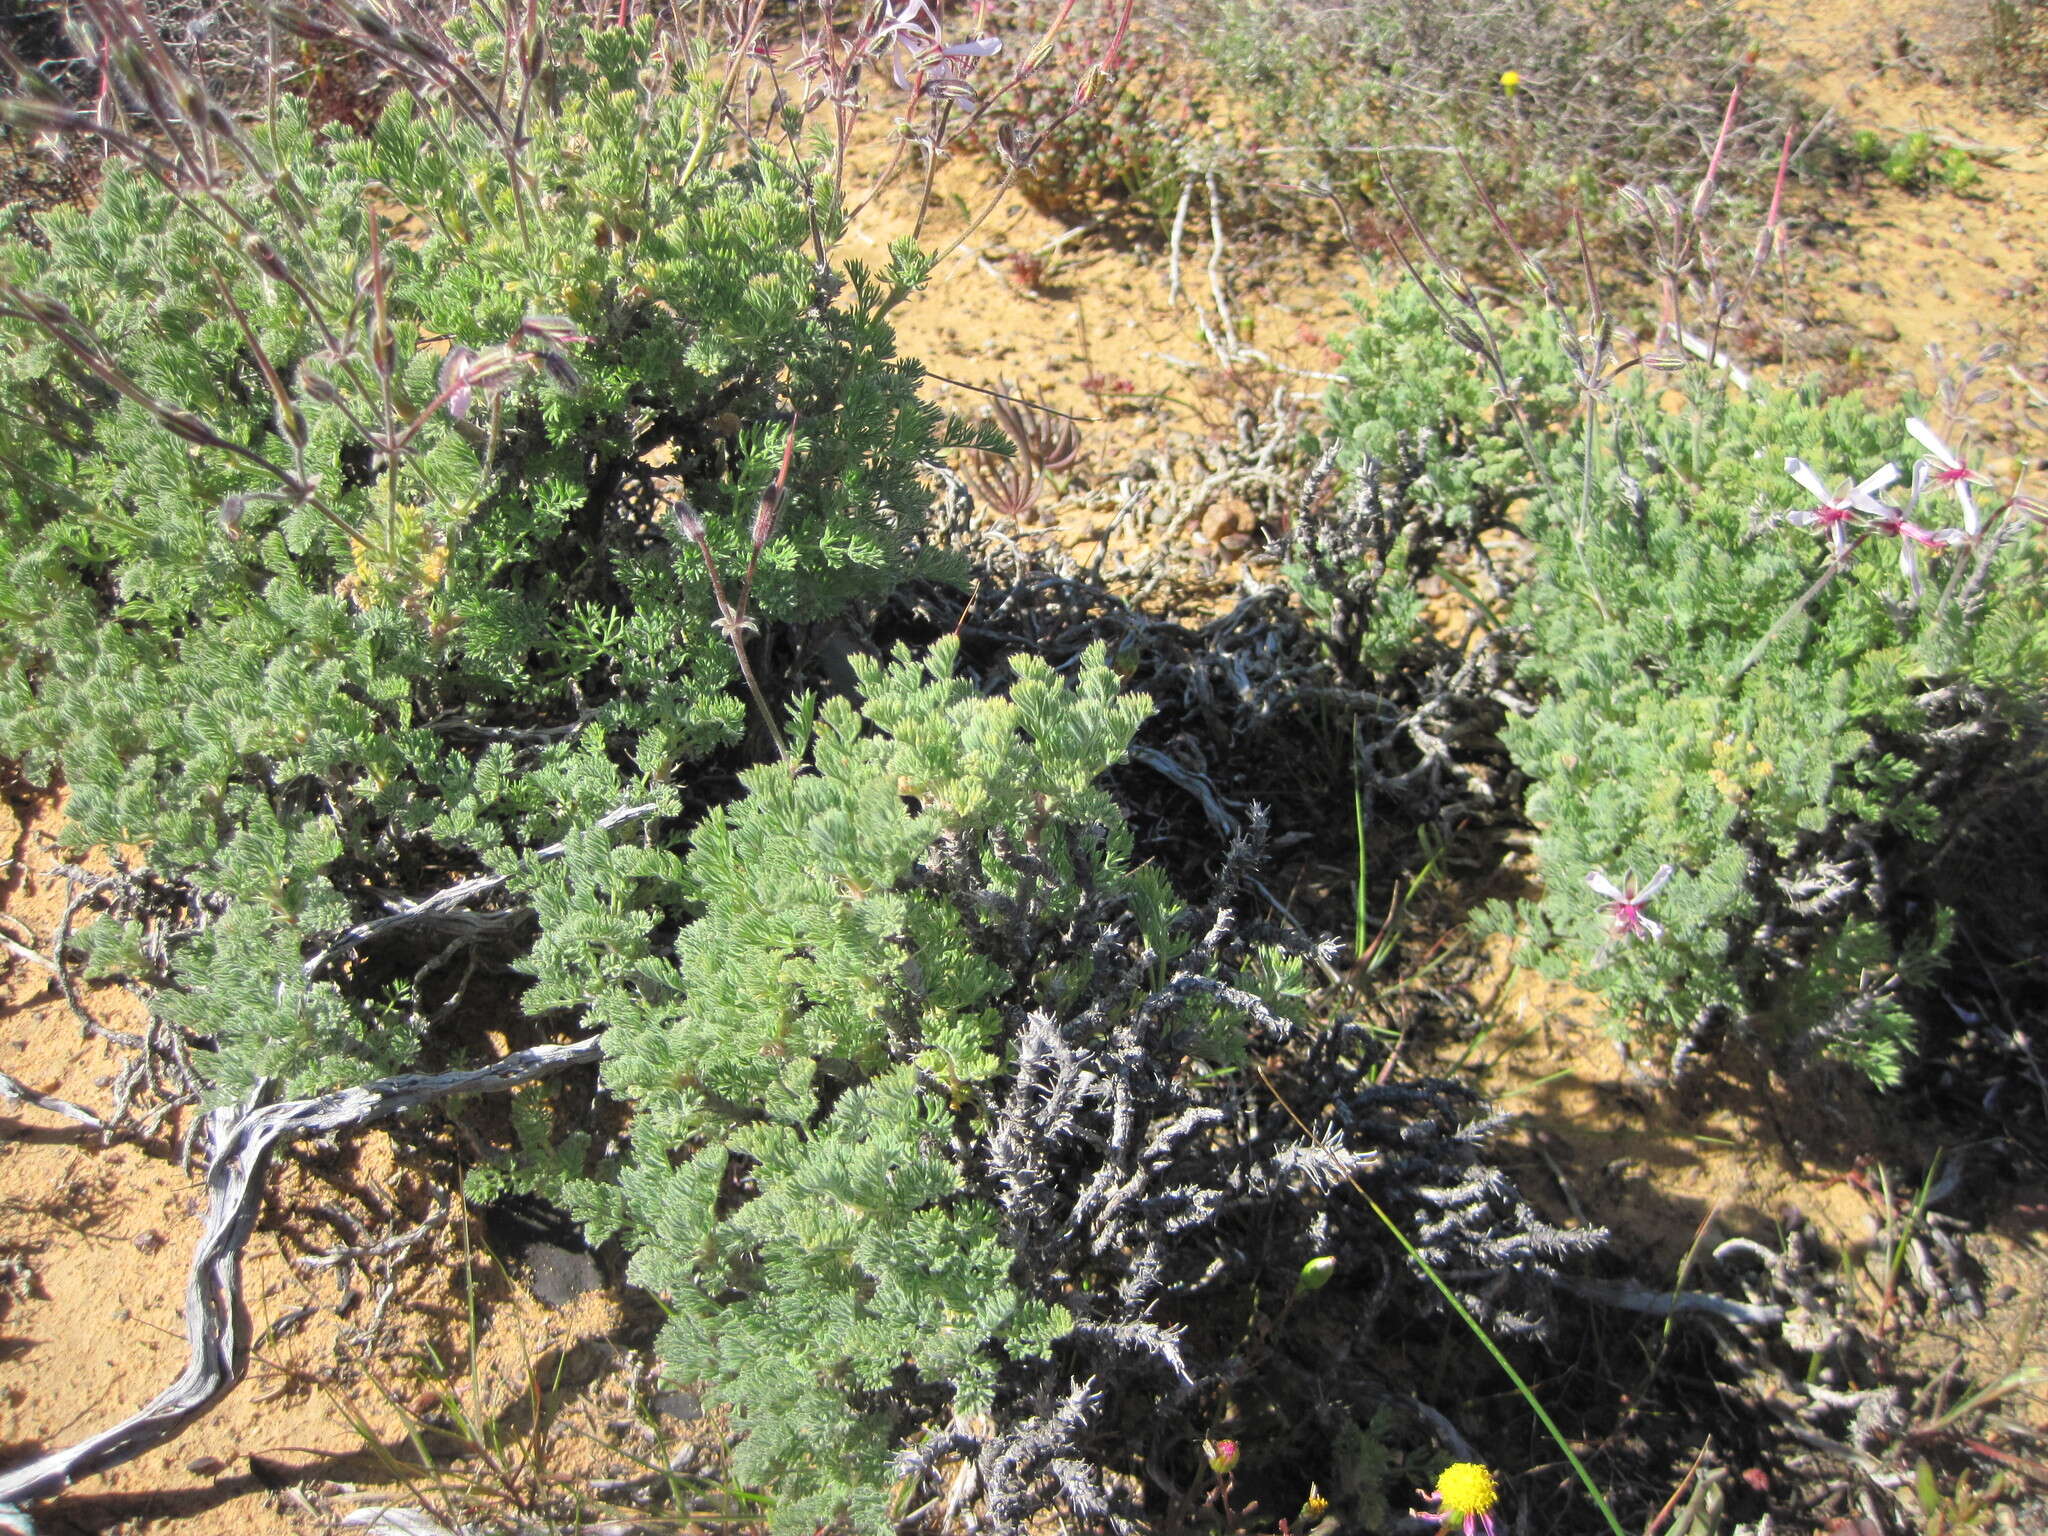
[1509, 80]
[1464, 1499]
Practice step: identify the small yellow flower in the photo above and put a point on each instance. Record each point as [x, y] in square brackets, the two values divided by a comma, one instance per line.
[1510, 80]
[1464, 1498]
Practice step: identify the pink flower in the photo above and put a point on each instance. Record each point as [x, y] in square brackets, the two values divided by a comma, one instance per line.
[1940, 467]
[1625, 904]
[465, 373]
[1837, 509]
[1895, 524]
[921, 59]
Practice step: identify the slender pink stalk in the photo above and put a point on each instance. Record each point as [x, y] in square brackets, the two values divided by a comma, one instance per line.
[1705, 194]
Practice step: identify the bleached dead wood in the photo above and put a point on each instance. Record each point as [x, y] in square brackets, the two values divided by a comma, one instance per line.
[216, 1323]
[454, 896]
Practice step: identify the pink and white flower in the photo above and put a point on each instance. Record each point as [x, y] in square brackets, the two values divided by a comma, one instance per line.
[1941, 467]
[1625, 902]
[1836, 510]
[1911, 536]
[922, 61]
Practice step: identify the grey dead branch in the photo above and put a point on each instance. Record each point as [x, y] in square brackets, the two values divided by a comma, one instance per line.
[243, 1141]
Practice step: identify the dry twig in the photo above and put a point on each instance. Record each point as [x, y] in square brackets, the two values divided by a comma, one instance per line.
[216, 1321]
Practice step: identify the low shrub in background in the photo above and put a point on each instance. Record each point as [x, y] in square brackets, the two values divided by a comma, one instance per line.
[1795, 724]
[1529, 105]
[1128, 144]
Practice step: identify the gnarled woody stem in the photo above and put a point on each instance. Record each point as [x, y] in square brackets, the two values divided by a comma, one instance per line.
[215, 1319]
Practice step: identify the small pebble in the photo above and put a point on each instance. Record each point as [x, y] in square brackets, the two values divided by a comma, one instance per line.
[679, 1405]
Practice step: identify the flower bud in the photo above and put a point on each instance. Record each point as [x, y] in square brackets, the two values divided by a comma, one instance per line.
[764, 520]
[1315, 1274]
[1222, 1457]
[689, 522]
[319, 387]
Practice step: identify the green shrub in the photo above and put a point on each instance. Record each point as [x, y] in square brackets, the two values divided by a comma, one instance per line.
[1912, 163]
[827, 1033]
[945, 1143]
[336, 543]
[1795, 743]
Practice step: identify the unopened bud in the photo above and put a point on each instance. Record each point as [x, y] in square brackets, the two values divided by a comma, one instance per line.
[264, 254]
[47, 311]
[372, 24]
[423, 48]
[764, 520]
[319, 387]
[494, 368]
[561, 370]
[1315, 1274]
[42, 116]
[192, 429]
[455, 379]
[555, 330]
[1222, 1457]
[302, 24]
[689, 522]
[230, 513]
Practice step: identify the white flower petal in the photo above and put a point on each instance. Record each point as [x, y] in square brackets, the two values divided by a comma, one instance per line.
[1803, 472]
[1598, 880]
[1651, 926]
[1924, 436]
[1657, 882]
[1971, 520]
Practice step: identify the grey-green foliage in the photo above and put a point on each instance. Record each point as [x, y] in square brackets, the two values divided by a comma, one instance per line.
[805, 1072]
[1800, 797]
[287, 617]
[946, 1143]
[1417, 397]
